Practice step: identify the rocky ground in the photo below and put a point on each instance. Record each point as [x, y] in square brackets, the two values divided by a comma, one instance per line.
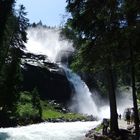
[126, 132]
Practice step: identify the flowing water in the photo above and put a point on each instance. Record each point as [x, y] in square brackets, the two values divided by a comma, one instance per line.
[82, 101]
[48, 131]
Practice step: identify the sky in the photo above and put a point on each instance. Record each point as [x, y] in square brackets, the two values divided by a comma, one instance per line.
[50, 12]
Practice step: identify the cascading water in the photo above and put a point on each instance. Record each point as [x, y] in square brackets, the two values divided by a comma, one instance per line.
[82, 101]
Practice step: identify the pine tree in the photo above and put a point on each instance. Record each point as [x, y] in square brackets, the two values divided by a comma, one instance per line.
[132, 12]
[36, 102]
[6, 7]
[95, 22]
[10, 75]
[109, 31]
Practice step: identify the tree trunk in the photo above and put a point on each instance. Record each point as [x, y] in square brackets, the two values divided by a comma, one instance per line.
[112, 100]
[136, 114]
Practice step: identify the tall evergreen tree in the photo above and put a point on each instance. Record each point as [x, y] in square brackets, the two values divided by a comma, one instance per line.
[109, 31]
[36, 102]
[96, 23]
[10, 75]
[131, 14]
[6, 7]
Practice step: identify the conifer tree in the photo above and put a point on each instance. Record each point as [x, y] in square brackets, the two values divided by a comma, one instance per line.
[36, 102]
[10, 75]
[95, 22]
[131, 13]
[6, 7]
[109, 31]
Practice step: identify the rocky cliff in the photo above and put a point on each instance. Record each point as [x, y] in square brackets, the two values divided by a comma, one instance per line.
[48, 78]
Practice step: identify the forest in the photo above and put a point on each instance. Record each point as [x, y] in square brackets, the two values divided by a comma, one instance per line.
[106, 36]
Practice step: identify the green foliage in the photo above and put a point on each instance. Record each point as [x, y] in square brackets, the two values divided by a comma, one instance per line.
[53, 114]
[49, 112]
[26, 109]
[102, 28]
[74, 116]
[6, 11]
[12, 38]
[36, 101]
[99, 128]
[25, 97]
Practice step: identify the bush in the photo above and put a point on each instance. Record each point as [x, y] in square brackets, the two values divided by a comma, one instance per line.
[26, 111]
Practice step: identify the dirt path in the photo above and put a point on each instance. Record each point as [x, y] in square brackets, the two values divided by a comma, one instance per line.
[123, 124]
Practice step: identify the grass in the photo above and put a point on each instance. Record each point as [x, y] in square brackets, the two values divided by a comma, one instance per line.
[54, 114]
[74, 116]
[28, 112]
[49, 112]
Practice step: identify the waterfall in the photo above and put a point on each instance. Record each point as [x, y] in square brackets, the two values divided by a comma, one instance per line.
[49, 42]
[82, 101]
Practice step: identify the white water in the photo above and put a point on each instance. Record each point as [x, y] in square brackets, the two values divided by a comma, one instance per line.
[82, 101]
[48, 131]
[48, 41]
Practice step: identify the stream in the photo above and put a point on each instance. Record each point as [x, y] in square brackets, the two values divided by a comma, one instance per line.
[48, 131]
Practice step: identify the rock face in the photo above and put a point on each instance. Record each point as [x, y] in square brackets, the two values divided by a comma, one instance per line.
[50, 81]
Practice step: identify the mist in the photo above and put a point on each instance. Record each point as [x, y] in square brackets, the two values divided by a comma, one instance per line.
[48, 41]
[124, 98]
